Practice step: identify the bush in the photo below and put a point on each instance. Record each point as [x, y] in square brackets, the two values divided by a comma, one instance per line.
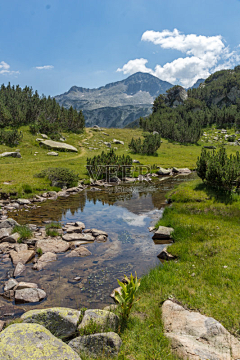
[10, 137]
[59, 177]
[219, 170]
[149, 146]
[27, 189]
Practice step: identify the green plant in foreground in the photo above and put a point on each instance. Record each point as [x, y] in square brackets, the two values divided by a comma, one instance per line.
[127, 297]
[52, 232]
[23, 231]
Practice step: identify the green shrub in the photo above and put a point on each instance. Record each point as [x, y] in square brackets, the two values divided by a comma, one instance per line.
[27, 189]
[60, 177]
[53, 225]
[23, 231]
[39, 251]
[10, 137]
[219, 170]
[149, 146]
[52, 232]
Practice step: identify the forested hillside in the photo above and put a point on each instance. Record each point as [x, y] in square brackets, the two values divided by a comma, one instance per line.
[24, 107]
[180, 115]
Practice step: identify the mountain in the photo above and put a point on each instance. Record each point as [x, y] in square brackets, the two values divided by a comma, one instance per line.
[197, 83]
[118, 103]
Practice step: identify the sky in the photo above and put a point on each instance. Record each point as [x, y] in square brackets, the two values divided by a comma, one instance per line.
[52, 45]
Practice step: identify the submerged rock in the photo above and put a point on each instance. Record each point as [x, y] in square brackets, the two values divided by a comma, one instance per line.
[195, 336]
[97, 345]
[33, 341]
[61, 322]
[80, 251]
[44, 260]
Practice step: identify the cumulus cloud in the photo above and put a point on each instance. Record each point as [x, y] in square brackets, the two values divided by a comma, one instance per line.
[203, 55]
[45, 67]
[5, 69]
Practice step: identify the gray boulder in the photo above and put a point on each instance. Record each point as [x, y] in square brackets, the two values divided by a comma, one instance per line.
[44, 260]
[14, 154]
[163, 171]
[52, 245]
[52, 153]
[33, 341]
[194, 336]
[97, 345]
[78, 236]
[163, 232]
[115, 141]
[8, 223]
[105, 321]
[61, 322]
[29, 295]
[80, 251]
[58, 145]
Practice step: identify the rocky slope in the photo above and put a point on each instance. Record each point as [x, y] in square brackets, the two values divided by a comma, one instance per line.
[118, 103]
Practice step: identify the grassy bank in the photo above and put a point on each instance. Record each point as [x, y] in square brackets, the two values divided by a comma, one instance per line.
[205, 276]
[16, 173]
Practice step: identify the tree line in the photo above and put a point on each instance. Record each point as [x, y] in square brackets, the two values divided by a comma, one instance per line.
[43, 114]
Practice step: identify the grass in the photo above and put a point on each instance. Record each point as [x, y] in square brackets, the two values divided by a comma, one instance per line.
[52, 232]
[17, 175]
[52, 229]
[204, 277]
[23, 231]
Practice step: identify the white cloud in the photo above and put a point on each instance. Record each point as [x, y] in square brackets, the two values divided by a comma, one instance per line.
[4, 69]
[45, 67]
[204, 55]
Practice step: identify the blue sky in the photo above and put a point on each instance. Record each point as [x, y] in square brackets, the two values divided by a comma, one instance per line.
[55, 44]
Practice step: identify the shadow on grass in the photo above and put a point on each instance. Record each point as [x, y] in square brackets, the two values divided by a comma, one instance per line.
[218, 195]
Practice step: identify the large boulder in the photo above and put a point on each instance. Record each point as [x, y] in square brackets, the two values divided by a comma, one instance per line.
[78, 236]
[21, 255]
[33, 341]
[163, 171]
[14, 154]
[163, 233]
[97, 345]
[104, 320]
[194, 336]
[58, 145]
[61, 322]
[52, 245]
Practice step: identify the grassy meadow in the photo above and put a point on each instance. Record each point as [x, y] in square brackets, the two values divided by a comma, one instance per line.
[16, 173]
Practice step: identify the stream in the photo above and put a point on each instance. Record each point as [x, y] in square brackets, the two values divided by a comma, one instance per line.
[125, 212]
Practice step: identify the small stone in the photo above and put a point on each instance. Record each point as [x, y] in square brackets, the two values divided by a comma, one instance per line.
[19, 269]
[10, 284]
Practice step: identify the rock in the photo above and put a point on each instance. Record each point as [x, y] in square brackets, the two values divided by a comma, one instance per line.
[106, 344]
[8, 223]
[52, 245]
[19, 269]
[111, 307]
[113, 293]
[77, 236]
[74, 229]
[25, 285]
[10, 284]
[151, 228]
[163, 232]
[164, 255]
[209, 147]
[194, 336]
[44, 136]
[29, 295]
[97, 232]
[163, 171]
[14, 154]
[52, 153]
[2, 323]
[58, 145]
[105, 321]
[13, 238]
[22, 256]
[4, 232]
[96, 127]
[136, 161]
[108, 144]
[23, 201]
[80, 251]
[181, 170]
[155, 133]
[74, 244]
[44, 260]
[115, 141]
[101, 238]
[80, 224]
[33, 341]
[61, 322]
